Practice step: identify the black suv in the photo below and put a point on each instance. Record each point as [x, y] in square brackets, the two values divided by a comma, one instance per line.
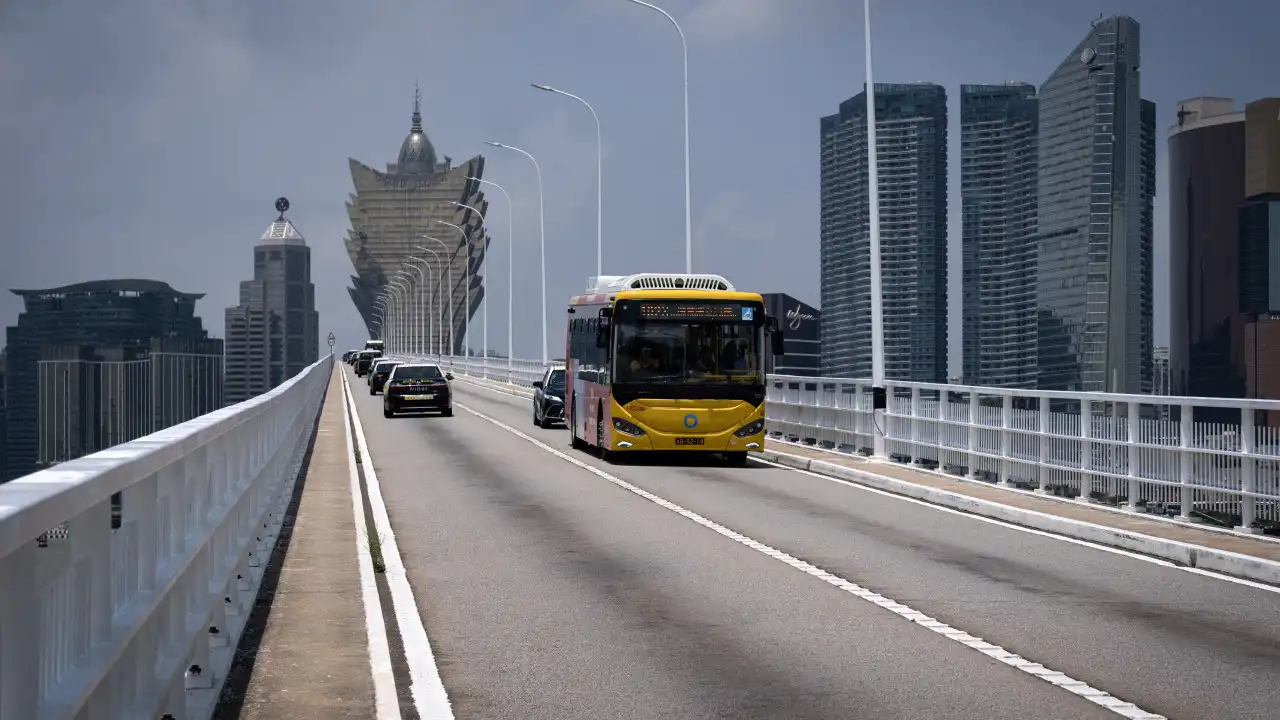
[378, 377]
[364, 361]
[548, 398]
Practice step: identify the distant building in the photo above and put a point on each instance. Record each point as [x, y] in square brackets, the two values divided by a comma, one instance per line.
[911, 142]
[1160, 372]
[801, 326]
[1095, 208]
[94, 397]
[1260, 250]
[64, 331]
[393, 212]
[4, 455]
[998, 129]
[274, 332]
[1206, 187]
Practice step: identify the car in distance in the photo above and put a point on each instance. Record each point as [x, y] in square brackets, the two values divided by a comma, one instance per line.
[378, 376]
[364, 361]
[418, 386]
[548, 398]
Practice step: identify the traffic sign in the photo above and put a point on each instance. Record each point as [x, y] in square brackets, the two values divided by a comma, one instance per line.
[332, 340]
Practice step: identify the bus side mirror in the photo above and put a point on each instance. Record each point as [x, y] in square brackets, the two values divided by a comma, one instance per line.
[602, 334]
[776, 342]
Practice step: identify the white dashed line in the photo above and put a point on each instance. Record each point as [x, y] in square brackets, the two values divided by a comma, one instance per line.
[1071, 685]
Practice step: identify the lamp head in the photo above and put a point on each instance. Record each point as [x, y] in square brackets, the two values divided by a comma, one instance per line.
[547, 88]
[495, 144]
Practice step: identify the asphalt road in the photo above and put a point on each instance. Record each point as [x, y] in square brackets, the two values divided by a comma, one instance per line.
[549, 592]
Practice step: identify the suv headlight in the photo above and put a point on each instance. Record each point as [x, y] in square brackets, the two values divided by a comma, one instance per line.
[752, 428]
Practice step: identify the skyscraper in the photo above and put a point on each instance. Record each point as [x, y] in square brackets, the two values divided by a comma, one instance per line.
[274, 333]
[1259, 222]
[911, 142]
[1096, 180]
[60, 369]
[397, 214]
[1206, 187]
[998, 131]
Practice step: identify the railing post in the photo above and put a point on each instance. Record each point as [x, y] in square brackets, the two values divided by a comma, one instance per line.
[1044, 442]
[1006, 439]
[974, 439]
[1248, 470]
[1186, 461]
[1086, 451]
[20, 623]
[1133, 439]
[915, 425]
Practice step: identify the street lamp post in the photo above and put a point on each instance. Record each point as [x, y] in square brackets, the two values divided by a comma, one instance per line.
[406, 326]
[688, 217]
[401, 289]
[433, 306]
[448, 267]
[484, 343]
[510, 270]
[422, 316]
[599, 175]
[542, 238]
[873, 193]
[428, 322]
[466, 303]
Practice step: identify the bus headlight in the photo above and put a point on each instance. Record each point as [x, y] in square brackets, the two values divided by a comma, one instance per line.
[753, 428]
[626, 428]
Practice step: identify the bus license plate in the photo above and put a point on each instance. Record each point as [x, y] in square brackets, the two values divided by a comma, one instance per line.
[690, 440]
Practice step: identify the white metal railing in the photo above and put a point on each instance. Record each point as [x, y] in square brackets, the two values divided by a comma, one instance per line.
[126, 576]
[1146, 453]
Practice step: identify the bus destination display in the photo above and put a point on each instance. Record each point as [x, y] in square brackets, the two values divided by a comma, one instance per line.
[728, 312]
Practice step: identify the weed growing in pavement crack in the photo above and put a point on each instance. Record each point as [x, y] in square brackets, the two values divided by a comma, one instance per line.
[374, 542]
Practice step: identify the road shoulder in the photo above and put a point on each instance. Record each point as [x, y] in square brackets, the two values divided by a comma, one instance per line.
[305, 652]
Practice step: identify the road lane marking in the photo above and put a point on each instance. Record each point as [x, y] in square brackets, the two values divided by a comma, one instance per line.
[385, 700]
[429, 695]
[1071, 685]
[982, 518]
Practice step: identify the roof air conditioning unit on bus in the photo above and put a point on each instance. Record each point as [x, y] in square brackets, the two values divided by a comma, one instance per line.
[663, 281]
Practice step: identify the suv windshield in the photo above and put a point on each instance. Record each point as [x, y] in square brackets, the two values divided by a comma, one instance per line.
[556, 381]
[417, 372]
[384, 365]
[686, 350]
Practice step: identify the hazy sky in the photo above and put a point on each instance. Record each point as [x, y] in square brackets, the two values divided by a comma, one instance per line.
[149, 138]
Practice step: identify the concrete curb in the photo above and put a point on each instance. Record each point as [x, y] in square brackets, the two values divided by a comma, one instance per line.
[1195, 556]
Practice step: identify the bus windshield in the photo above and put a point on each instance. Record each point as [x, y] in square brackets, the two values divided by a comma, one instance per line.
[656, 346]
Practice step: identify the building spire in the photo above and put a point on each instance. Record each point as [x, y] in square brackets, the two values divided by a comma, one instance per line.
[416, 128]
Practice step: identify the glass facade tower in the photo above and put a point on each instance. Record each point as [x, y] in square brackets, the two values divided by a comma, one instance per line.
[998, 130]
[911, 142]
[1096, 182]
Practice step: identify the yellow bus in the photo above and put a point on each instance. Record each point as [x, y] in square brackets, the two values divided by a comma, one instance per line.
[669, 362]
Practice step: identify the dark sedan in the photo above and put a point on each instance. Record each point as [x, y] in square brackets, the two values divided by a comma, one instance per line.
[548, 398]
[381, 371]
[417, 386]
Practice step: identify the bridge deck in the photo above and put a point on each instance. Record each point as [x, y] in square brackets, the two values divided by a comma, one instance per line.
[305, 652]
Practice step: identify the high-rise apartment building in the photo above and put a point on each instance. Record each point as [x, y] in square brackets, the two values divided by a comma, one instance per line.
[911, 146]
[401, 214]
[1206, 187]
[1095, 205]
[1260, 249]
[274, 332]
[998, 171]
[59, 374]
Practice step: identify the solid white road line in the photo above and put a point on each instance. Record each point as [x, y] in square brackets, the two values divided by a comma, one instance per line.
[429, 695]
[981, 518]
[1071, 685]
[386, 702]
